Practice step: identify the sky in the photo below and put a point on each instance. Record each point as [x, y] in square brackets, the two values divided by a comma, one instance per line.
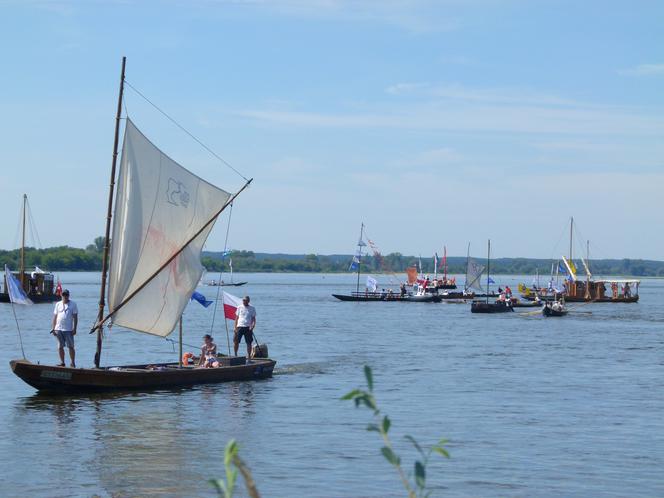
[433, 122]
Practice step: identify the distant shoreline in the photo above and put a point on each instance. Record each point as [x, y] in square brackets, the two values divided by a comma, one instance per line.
[66, 258]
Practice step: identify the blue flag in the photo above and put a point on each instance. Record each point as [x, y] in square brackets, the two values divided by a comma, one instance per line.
[197, 296]
[16, 293]
[491, 281]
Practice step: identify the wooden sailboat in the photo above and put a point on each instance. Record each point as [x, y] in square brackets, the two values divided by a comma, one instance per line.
[485, 306]
[445, 283]
[163, 215]
[580, 290]
[221, 283]
[373, 295]
[39, 286]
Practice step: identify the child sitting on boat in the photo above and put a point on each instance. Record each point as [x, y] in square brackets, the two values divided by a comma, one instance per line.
[208, 353]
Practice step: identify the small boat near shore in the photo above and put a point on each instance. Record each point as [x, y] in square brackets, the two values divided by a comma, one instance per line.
[221, 283]
[38, 285]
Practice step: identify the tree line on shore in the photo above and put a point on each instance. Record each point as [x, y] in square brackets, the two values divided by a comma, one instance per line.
[65, 258]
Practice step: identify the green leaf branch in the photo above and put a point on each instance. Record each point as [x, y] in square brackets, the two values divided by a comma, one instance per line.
[382, 425]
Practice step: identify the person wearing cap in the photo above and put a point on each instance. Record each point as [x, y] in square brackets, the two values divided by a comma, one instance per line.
[245, 321]
[63, 326]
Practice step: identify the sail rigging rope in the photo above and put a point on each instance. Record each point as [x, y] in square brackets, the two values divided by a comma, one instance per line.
[221, 272]
[186, 131]
[32, 226]
[20, 338]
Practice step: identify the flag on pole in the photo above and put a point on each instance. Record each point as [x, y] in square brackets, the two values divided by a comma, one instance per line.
[372, 283]
[354, 265]
[231, 303]
[16, 293]
[58, 289]
[197, 296]
[411, 271]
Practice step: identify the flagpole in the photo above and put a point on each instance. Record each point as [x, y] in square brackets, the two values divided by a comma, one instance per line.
[180, 361]
[359, 257]
[22, 269]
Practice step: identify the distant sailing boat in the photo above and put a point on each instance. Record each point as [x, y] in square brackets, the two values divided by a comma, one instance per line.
[163, 215]
[579, 290]
[221, 283]
[500, 306]
[38, 285]
[371, 294]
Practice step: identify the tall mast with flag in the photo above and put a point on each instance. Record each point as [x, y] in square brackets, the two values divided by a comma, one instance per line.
[357, 259]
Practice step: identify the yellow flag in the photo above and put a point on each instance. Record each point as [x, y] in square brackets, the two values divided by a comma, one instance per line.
[572, 267]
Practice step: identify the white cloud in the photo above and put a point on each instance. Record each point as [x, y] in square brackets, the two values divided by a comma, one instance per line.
[643, 70]
[476, 117]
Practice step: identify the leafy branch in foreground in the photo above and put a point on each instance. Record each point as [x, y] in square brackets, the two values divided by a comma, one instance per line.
[382, 426]
[233, 463]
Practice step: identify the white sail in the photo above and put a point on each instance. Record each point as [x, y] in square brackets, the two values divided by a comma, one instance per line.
[473, 275]
[159, 207]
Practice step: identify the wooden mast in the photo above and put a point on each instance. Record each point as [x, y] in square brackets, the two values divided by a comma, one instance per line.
[488, 269]
[104, 264]
[22, 268]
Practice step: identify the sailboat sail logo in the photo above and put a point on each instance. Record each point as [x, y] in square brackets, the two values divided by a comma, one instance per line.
[177, 194]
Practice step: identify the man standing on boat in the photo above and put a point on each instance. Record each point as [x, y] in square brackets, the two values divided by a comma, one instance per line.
[63, 326]
[245, 322]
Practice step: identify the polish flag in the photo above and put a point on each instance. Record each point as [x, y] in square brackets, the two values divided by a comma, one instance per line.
[231, 303]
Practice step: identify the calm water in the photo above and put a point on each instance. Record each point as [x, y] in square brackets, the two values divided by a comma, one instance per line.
[532, 406]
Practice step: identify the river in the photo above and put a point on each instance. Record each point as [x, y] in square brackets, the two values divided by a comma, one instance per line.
[530, 406]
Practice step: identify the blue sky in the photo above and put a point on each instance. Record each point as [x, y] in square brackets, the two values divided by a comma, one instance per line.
[433, 122]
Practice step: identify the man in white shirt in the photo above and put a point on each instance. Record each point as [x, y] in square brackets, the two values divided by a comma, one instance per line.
[245, 321]
[63, 326]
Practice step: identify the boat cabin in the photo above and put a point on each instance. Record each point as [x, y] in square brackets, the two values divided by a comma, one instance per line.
[34, 283]
[599, 290]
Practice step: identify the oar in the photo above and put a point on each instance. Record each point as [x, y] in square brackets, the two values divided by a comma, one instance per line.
[531, 313]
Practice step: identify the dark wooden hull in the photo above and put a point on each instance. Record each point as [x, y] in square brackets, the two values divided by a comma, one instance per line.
[548, 311]
[457, 296]
[377, 297]
[484, 307]
[238, 284]
[574, 299]
[134, 377]
[526, 304]
[35, 298]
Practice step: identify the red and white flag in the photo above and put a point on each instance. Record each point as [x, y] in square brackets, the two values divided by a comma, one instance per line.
[58, 289]
[231, 303]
